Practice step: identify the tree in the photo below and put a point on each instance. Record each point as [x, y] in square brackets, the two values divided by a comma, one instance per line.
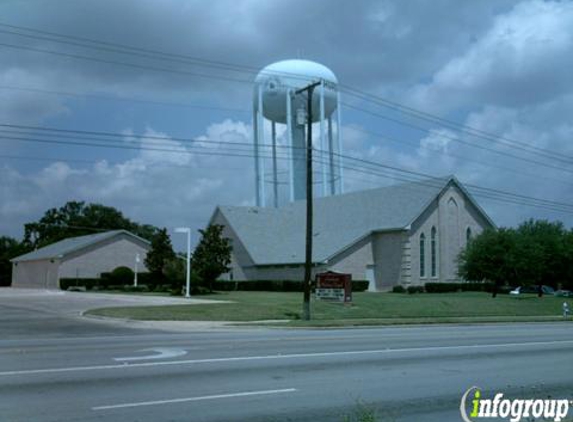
[212, 255]
[537, 253]
[160, 254]
[77, 218]
[490, 256]
[9, 248]
[567, 281]
[541, 253]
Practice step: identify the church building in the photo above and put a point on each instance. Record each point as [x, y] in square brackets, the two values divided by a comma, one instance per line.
[405, 234]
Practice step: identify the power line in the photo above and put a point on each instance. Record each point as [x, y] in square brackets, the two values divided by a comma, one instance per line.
[180, 58]
[379, 135]
[234, 67]
[448, 123]
[127, 49]
[365, 166]
[127, 99]
[245, 81]
[126, 64]
[415, 144]
[178, 149]
[456, 139]
[407, 175]
[122, 136]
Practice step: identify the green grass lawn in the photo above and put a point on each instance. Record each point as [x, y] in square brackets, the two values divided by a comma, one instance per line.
[367, 309]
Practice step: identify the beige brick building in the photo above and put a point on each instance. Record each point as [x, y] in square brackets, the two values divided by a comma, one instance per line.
[78, 257]
[407, 234]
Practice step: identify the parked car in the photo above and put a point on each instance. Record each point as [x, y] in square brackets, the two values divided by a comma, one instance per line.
[564, 293]
[547, 290]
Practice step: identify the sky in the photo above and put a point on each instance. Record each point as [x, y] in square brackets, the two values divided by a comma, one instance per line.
[503, 68]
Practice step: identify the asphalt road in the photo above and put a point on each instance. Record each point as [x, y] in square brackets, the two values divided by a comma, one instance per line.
[405, 374]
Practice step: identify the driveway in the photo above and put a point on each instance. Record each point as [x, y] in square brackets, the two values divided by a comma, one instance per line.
[49, 313]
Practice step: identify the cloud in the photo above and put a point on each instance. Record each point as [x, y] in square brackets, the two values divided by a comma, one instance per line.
[500, 66]
[157, 147]
[152, 187]
[524, 58]
[26, 107]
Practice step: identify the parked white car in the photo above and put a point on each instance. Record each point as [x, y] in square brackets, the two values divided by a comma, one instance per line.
[547, 290]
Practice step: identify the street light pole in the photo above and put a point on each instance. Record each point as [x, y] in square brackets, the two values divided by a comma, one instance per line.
[137, 259]
[308, 256]
[187, 231]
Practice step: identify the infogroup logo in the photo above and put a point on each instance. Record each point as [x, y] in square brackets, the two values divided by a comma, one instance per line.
[513, 410]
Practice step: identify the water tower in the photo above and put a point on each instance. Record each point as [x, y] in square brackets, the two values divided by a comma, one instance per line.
[275, 102]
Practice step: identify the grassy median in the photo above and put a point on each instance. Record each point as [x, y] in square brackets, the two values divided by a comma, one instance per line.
[366, 309]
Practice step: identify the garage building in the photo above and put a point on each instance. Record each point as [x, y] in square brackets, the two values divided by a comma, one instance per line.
[78, 257]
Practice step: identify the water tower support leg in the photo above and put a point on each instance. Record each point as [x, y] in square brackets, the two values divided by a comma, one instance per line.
[256, 154]
[261, 128]
[275, 174]
[290, 146]
[339, 145]
[332, 175]
[322, 154]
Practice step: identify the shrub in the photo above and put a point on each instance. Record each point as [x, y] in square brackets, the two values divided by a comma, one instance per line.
[275, 286]
[160, 288]
[398, 289]
[199, 290]
[458, 287]
[360, 285]
[122, 275]
[441, 287]
[88, 283]
[415, 289]
[134, 289]
[148, 280]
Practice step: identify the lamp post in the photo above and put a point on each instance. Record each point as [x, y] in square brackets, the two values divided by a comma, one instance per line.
[137, 261]
[187, 230]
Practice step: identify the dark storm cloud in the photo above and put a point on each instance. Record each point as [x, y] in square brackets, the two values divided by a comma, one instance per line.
[367, 43]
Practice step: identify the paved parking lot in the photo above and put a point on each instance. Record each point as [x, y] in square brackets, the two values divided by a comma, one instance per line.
[47, 313]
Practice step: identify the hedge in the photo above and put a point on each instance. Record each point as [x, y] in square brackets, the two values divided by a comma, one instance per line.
[108, 281]
[458, 287]
[275, 286]
[415, 289]
[88, 283]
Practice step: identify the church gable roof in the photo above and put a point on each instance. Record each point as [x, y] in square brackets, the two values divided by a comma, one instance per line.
[276, 235]
[73, 244]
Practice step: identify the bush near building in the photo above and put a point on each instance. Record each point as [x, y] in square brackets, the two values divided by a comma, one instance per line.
[275, 286]
[110, 282]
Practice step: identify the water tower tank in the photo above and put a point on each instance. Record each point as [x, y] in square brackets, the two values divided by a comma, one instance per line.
[286, 76]
[276, 100]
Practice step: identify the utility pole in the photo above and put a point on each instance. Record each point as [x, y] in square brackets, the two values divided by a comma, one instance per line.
[308, 261]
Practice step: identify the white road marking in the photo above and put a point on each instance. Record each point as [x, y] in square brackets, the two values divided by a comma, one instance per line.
[164, 353]
[279, 356]
[189, 399]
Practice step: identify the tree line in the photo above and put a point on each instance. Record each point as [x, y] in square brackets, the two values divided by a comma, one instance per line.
[77, 218]
[536, 253]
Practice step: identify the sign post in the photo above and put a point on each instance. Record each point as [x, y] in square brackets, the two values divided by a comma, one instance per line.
[335, 287]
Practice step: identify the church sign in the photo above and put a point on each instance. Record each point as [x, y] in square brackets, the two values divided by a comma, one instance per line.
[336, 287]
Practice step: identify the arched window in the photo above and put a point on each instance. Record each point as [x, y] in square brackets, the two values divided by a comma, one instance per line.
[422, 255]
[468, 235]
[434, 253]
